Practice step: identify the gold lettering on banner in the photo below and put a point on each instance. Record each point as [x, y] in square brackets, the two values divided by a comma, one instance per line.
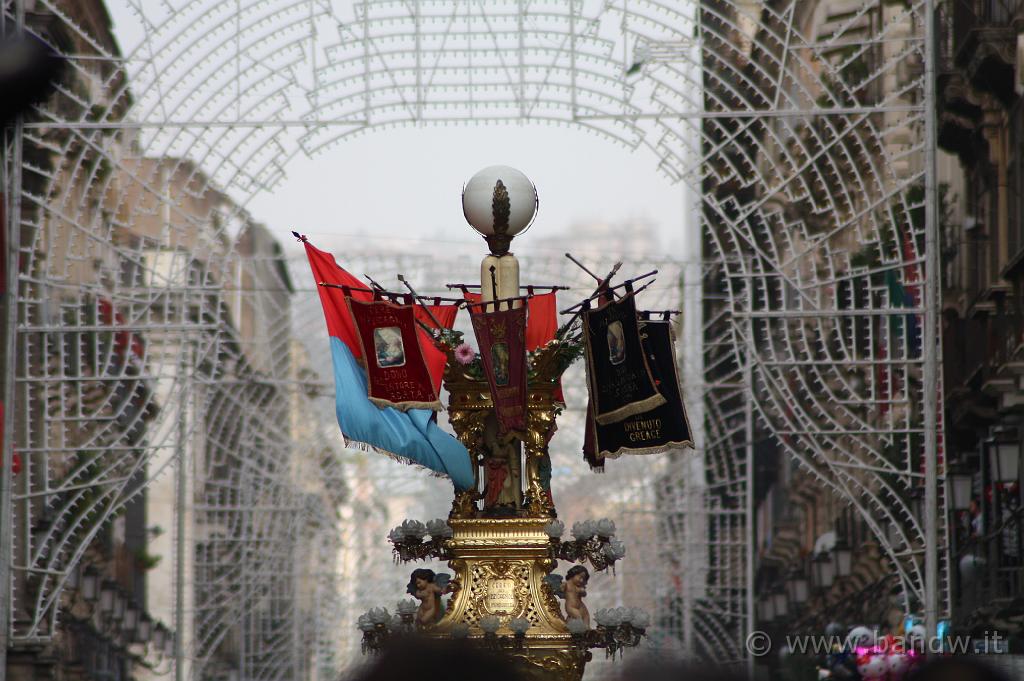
[501, 596]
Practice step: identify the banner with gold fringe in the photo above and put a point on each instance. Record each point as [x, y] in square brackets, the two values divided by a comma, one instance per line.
[664, 428]
[501, 338]
[395, 365]
[618, 375]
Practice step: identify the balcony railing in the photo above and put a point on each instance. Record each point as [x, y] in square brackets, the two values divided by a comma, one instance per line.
[988, 558]
[970, 15]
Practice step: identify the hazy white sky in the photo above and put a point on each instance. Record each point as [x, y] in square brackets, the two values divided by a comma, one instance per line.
[405, 183]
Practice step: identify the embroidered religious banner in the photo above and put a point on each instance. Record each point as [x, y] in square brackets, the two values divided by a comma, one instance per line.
[661, 429]
[396, 369]
[541, 324]
[501, 337]
[618, 375]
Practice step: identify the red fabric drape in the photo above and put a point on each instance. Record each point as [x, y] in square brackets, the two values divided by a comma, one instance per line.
[341, 326]
[339, 321]
[434, 358]
[542, 323]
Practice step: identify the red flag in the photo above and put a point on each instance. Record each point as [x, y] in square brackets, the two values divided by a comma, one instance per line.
[340, 323]
[542, 323]
[432, 355]
[339, 320]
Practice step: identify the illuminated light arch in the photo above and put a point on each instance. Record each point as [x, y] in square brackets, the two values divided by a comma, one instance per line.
[807, 145]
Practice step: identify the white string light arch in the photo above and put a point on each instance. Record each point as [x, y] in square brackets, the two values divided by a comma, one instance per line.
[147, 293]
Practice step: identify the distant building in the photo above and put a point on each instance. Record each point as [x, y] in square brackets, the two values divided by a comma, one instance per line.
[83, 407]
[260, 518]
[623, 239]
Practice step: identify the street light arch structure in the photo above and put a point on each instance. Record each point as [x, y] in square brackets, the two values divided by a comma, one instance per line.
[806, 137]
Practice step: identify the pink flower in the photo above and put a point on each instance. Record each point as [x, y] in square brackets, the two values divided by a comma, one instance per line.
[464, 354]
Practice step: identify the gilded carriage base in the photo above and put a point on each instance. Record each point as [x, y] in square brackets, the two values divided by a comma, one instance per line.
[502, 544]
[500, 562]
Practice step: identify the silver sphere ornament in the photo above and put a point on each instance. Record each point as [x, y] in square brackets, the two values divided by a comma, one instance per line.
[499, 202]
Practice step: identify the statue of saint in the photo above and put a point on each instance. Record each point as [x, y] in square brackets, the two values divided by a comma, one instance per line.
[502, 470]
[428, 589]
[575, 590]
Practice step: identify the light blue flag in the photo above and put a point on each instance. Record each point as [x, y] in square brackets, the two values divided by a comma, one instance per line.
[412, 435]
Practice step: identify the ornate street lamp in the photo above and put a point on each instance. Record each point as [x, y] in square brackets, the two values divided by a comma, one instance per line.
[843, 558]
[130, 619]
[118, 612]
[108, 593]
[780, 603]
[90, 584]
[159, 637]
[767, 608]
[499, 202]
[144, 630]
[798, 588]
[1004, 460]
[824, 571]
[961, 488]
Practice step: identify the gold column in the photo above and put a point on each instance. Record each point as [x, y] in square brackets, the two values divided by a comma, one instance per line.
[500, 563]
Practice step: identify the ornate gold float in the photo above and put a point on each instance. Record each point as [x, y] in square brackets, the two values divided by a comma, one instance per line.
[503, 545]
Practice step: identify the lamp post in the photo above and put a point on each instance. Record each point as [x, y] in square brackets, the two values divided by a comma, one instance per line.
[144, 630]
[797, 588]
[843, 558]
[824, 571]
[130, 620]
[780, 603]
[499, 202]
[159, 637]
[767, 608]
[961, 488]
[90, 584]
[1004, 459]
[107, 596]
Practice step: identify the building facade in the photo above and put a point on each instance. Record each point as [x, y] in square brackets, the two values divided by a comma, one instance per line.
[980, 120]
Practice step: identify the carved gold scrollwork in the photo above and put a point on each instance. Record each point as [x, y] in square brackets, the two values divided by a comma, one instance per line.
[562, 666]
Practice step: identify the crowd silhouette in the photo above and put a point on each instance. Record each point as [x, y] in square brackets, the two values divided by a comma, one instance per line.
[416, 658]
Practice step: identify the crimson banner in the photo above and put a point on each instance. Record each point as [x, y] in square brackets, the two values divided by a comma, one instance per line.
[501, 337]
[618, 374]
[395, 366]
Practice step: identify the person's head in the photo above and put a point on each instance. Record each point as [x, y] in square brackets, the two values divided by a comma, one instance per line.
[421, 577]
[578, 574]
[411, 657]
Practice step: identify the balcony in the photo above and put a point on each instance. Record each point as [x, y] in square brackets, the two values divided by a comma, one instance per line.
[983, 42]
